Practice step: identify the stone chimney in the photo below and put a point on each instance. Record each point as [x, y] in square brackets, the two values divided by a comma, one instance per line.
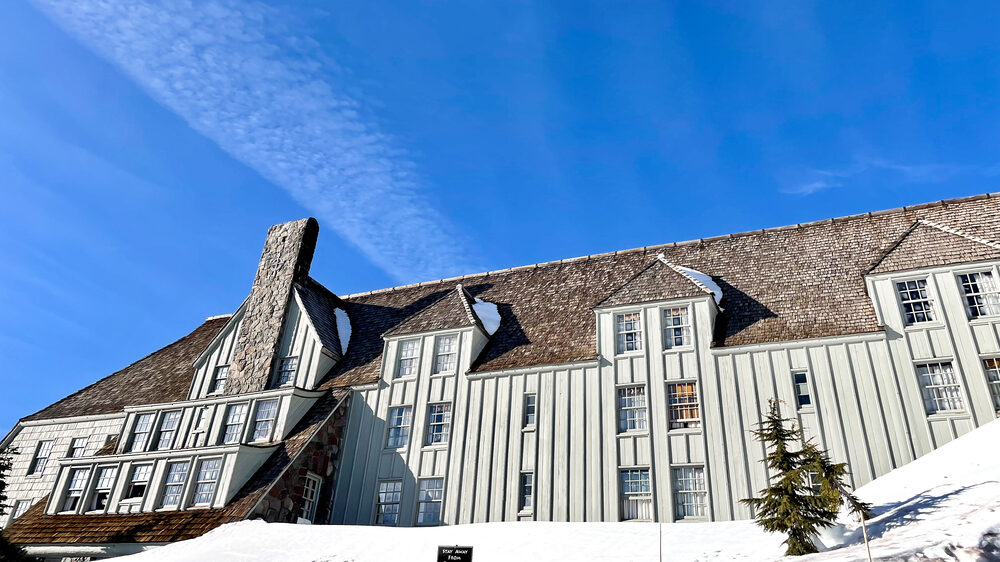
[287, 255]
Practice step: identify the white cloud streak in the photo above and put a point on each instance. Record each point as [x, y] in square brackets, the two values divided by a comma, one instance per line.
[267, 96]
[821, 180]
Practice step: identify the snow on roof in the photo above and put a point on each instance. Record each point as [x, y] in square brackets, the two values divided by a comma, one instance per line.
[488, 314]
[704, 280]
[343, 329]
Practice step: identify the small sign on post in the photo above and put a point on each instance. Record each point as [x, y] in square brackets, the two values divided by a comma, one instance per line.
[454, 554]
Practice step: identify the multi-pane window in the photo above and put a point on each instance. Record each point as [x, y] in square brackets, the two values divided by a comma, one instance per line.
[429, 501]
[199, 427]
[980, 292]
[387, 511]
[208, 475]
[690, 494]
[529, 410]
[139, 481]
[168, 429]
[41, 457]
[286, 370]
[801, 382]
[813, 483]
[219, 379]
[77, 447]
[632, 408]
[20, 507]
[409, 358]
[676, 327]
[267, 412]
[942, 392]
[438, 423]
[174, 484]
[682, 405]
[74, 491]
[527, 497]
[637, 498]
[917, 306]
[310, 496]
[445, 354]
[102, 487]
[140, 432]
[236, 415]
[992, 367]
[628, 332]
[399, 426]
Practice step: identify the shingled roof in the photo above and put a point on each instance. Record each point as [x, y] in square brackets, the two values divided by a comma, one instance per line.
[928, 244]
[778, 285]
[452, 310]
[659, 281]
[319, 304]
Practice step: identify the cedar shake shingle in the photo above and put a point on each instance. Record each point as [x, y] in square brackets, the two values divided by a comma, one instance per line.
[657, 282]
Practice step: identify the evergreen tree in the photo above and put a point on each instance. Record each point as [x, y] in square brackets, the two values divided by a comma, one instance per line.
[8, 552]
[789, 506]
[831, 480]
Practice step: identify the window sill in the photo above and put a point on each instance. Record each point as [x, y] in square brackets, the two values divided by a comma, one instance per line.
[528, 429]
[633, 433]
[435, 447]
[692, 520]
[678, 349]
[923, 326]
[683, 430]
[525, 513]
[950, 415]
[984, 320]
[403, 379]
[626, 354]
[807, 410]
[440, 375]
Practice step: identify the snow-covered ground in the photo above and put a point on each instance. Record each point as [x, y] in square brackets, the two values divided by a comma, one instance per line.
[945, 505]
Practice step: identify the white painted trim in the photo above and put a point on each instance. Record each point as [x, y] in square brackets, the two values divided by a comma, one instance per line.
[475, 375]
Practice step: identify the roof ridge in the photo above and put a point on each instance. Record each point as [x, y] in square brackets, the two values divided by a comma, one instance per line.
[957, 232]
[797, 226]
[465, 303]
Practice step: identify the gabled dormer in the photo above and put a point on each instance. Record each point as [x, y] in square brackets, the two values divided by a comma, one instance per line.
[928, 244]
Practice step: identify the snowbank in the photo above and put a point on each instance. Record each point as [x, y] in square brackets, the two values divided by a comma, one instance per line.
[343, 329]
[488, 314]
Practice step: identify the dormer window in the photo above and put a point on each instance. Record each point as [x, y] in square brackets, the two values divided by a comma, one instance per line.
[409, 358]
[676, 327]
[917, 306]
[236, 415]
[267, 411]
[140, 433]
[168, 429]
[174, 484]
[139, 482]
[102, 488]
[286, 370]
[445, 354]
[219, 380]
[208, 475]
[41, 457]
[980, 292]
[77, 447]
[77, 482]
[628, 332]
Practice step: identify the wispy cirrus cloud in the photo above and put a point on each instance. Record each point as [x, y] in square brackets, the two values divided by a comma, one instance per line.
[266, 95]
[822, 179]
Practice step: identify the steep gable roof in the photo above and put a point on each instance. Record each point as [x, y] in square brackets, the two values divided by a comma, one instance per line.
[319, 304]
[659, 281]
[453, 310]
[927, 243]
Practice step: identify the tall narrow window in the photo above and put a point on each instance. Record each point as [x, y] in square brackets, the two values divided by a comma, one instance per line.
[399, 426]
[236, 415]
[267, 412]
[409, 358]
[102, 487]
[801, 382]
[628, 332]
[529, 410]
[286, 370]
[637, 497]
[387, 512]
[676, 327]
[74, 492]
[199, 427]
[917, 306]
[690, 494]
[438, 423]
[527, 501]
[77, 447]
[310, 496]
[992, 367]
[208, 475]
[20, 507]
[139, 482]
[429, 501]
[41, 457]
[682, 405]
[942, 392]
[219, 379]
[168, 429]
[140, 432]
[445, 354]
[632, 408]
[980, 292]
[174, 484]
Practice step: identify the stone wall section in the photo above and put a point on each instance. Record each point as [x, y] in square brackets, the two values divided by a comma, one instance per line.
[286, 258]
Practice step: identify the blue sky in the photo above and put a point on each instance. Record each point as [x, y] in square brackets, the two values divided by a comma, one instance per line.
[145, 147]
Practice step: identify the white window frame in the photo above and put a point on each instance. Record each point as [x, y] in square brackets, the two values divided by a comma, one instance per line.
[927, 303]
[220, 376]
[991, 370]
[981, 296]
[75, 489]
[200, 420]
[288, 367]
[405, 420]
[632, 407]
[802, 389]
[138, 478]
[679, 403]
[530, 416]
[175, 487]
[103, 484]
[690, 501]
[388, 494]
[263, 427]
[636, 500]
[429, 496]
[42, 453]
[167, 433]
[526, 492]
[310, 496]
[408, 361]
[206, 481]
[20, 508]
[628, 323]
[680, 325]
[142, 426]
[75, 446]
[937, 390]
[227, 423]
[438, 424]
[445, 358]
